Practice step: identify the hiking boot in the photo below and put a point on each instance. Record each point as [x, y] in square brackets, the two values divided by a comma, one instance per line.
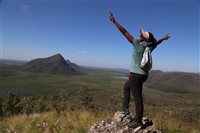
[132, 119]
[126, 111]
[134, 124]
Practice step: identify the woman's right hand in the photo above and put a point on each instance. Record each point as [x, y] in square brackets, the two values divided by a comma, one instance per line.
[112, 17]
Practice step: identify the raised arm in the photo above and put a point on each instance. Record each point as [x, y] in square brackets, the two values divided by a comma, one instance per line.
[165, 37]
[128, 36]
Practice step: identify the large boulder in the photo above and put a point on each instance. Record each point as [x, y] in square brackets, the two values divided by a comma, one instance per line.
[118, 124]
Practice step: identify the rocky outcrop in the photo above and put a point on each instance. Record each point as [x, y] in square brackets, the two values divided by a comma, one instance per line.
[118, 124]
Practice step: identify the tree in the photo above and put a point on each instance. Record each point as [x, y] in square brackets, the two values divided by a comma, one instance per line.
[40, 104]
[27, 105]
[59, 102]
[10, 104]
[84, 97]
[1, 111]
[116, 99]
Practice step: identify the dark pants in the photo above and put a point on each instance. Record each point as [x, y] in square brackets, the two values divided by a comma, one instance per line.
[134, 84]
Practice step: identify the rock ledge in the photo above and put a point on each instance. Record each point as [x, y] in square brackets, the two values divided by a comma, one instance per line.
[118, 124]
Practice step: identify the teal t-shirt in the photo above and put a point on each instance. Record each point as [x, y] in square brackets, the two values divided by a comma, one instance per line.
[137, 54]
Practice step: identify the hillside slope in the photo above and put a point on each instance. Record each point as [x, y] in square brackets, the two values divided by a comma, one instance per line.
[55, 64]
[175, 81]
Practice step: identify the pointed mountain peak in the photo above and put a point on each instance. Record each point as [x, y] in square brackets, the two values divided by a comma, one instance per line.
[55, 64]
[57, 57]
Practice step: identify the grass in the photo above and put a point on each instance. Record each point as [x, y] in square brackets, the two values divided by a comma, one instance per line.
[79, 121]
[69, 121]
[171, 112]
[48, 84]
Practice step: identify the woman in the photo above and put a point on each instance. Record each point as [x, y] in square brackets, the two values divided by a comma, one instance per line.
[137, 75]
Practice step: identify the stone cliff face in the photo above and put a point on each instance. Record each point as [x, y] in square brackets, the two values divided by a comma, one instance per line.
[118, 124]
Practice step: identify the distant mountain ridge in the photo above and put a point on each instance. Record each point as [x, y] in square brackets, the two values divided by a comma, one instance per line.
[55, 64]
[175, 81]
[73, 65]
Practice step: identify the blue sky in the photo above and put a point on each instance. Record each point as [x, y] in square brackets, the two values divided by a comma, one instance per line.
[82, 32]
